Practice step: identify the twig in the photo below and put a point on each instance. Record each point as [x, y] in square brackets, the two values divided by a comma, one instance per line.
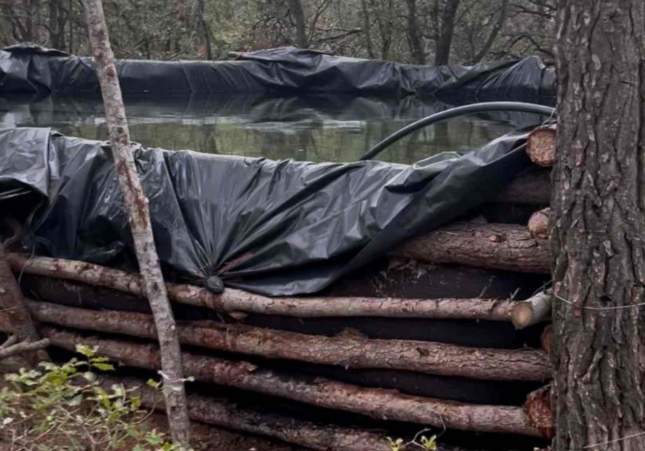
[24, 346]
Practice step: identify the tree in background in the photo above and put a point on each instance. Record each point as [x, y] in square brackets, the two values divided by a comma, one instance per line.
[415, 31]
[599, 205]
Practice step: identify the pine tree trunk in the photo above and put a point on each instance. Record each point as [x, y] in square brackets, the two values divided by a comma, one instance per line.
[599, 211]
[136, 204]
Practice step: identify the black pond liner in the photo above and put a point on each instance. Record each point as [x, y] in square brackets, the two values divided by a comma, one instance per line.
[31, 69]
[271, 227]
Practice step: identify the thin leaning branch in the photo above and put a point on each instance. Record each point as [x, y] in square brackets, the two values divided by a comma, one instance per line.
[136, 205]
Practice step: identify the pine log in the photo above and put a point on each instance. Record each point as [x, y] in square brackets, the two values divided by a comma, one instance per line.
[345, 350]
[540, 146]
[531, 311]
[8, 348]
[531, 188]
[208, 437]
[375, 403]
[539, 411]
[539, 224]
[492, 246]
[546, 339]
[232, 300]
[226, 414]
[15, 317]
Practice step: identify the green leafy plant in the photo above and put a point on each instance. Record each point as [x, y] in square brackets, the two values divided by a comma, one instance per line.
[65, 407]
[419, 441]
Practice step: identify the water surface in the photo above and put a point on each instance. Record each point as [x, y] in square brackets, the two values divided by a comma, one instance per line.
[321, 128]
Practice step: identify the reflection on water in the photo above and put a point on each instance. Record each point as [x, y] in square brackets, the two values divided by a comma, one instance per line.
[322, 128]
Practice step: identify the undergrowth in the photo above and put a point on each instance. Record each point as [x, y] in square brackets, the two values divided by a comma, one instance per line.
[64, 407]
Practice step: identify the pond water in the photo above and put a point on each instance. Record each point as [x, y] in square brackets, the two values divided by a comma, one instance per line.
[323, 128]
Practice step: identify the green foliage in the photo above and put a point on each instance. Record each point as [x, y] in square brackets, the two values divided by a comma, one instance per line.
[420, 442]
[64, 407]
[364, 28]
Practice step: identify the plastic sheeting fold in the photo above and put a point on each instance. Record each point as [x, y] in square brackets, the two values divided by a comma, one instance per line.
[283, 71]
[272, 227]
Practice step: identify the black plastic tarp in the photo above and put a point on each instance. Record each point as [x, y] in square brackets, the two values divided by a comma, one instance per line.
[35, 70]
[273, 227]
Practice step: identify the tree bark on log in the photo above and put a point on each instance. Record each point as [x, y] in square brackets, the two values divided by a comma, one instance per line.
[375, 403]
[540, 146]
[232, 300]
[136, 205]
[540, 224]
[531, 188]
[226, 414]
[14, 312]
[491, 246]
[599, 214]
[346, 351]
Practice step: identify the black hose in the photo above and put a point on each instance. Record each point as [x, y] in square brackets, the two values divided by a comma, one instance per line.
[454, 112]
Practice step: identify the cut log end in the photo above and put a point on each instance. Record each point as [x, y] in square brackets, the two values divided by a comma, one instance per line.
[539, 224]
[522, 315]
[539, 412]
[546, 339]
[531, 311]
[541, 146]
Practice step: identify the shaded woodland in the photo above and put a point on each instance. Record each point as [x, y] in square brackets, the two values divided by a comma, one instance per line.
[412, 31]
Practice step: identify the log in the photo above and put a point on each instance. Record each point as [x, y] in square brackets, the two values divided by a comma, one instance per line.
[532, 310]
[8, 348]
[539, 411]
[226, 414]
[346, 350]
[493, 246]
[531, 188]
[539, 224]
[15, 317]
[321, 392]
[540, 146]
[207, 437]
[546, 339]
[232, 300]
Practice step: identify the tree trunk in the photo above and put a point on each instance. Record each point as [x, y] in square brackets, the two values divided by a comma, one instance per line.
[136, 205]
[494, 32]
[343, 350]
[205, 30]
[321, 392]
[599, 214]
[298, 13]
[446, 32]
[367, 32]
[414, 35]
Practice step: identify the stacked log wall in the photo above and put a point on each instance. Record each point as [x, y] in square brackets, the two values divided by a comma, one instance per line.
[429, 336]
